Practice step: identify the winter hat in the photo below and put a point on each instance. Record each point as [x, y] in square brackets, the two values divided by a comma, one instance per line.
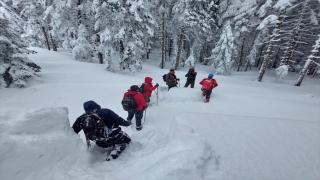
[210, 75]
[134, 88]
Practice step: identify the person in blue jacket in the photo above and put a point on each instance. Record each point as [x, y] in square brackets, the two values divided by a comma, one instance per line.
[109, 135]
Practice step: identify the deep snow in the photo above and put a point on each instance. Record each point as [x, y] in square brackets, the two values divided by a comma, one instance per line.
[249, 130]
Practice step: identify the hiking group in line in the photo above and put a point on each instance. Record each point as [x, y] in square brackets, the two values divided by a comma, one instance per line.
[102, 125]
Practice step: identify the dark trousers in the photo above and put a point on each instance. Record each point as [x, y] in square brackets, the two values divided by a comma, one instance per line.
[137, 114]
[188, 83]
[121, 138]
[171, 86]
[206, 93]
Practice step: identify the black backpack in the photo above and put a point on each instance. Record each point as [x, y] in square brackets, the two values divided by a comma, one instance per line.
[93, 126]
[128, 103]
[141, 88]
[164, 77]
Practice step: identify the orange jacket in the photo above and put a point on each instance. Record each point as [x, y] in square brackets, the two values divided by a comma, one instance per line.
[138, 98]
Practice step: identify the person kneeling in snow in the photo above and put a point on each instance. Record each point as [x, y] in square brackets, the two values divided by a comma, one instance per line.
[102, 126]
[207, 85]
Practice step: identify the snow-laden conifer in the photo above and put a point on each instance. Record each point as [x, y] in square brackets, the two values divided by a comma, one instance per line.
[82, 49]
[15, 67]
[222, 54]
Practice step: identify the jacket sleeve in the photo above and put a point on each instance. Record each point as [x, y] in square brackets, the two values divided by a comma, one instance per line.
[76, 125]
[148, 87]
[117, 120]
[201, 81]
[215, 84]
[140, 100]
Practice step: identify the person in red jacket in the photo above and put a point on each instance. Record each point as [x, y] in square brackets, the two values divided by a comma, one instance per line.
[148, 88]
[138, 112]
[207, 85]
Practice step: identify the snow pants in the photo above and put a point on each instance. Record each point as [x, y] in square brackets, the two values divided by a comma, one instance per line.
[137, 114]
[206, 93]
[120, 139]
[188, 83]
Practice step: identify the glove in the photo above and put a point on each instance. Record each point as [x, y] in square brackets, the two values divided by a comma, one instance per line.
[144, 107]
[178, 79]
[157, 85]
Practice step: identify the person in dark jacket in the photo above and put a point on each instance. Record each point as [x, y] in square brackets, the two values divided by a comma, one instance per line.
[112, 135]
[207, 85]
[171, 79]
[191, 77]
[142, 105]
[148, 88]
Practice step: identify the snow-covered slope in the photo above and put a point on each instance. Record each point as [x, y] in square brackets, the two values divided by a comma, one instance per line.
[249, 130]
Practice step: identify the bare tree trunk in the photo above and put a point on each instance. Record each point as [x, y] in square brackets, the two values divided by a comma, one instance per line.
[54, 46]
[180, 45]
[46, 37]
[79, 13]
[163, 43]
[287, 56]
[308, 63]
[100, 55]
[241, 55]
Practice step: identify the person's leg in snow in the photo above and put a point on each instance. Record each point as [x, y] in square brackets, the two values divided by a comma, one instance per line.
[119, 146]
[130, 116]
[208, 94]
[139, 115]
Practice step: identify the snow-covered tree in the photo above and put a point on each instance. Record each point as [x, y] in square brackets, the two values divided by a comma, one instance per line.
[191, 61]
[133, 27]
[82, 49]
[222, 54]
[275, 36]
[309, 62]
[108, 60]
[15, 67]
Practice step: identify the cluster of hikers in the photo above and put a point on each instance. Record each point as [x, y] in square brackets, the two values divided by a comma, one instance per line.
[102, 125]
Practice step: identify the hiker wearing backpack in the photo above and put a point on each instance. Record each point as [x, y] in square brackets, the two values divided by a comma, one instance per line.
[102, 126]
[207, 85]
[171, 79]
[134, 103]
[191, 77]
[147, 88]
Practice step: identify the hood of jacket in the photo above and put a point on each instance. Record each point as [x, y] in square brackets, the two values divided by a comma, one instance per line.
[90, 106]
[148, 80]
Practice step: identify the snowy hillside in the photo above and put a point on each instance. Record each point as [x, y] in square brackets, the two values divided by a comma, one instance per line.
[249, 130]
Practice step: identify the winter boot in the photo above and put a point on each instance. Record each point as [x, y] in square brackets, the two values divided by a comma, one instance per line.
[129, 121]
[139, 128]
[207, 100]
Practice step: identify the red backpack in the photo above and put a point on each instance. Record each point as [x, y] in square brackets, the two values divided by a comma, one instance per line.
[207, 84]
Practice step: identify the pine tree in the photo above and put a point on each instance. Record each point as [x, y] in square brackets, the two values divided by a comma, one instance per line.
[15, 67]
[222, 54]
[82, 49]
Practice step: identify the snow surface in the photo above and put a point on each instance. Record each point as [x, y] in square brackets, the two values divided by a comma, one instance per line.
[249, 130]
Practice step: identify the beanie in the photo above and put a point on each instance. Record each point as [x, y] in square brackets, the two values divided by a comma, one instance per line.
[210, 75]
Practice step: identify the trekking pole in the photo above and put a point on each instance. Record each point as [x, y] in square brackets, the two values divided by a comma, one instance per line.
[145, 113]
[157, 95]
